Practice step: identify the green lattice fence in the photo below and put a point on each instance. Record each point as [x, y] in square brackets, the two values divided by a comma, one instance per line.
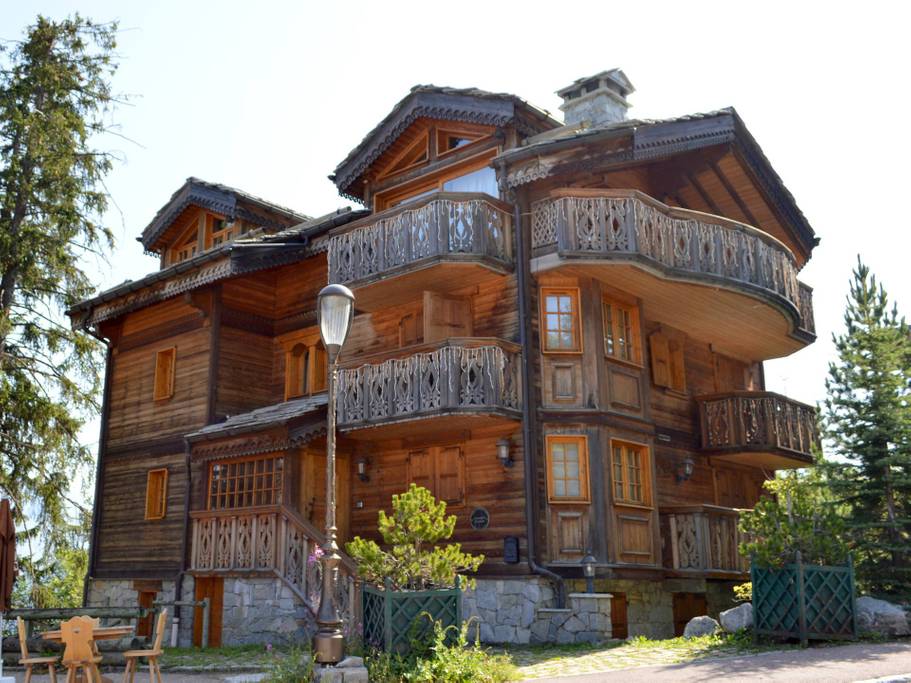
[393, 618]
[804, 601]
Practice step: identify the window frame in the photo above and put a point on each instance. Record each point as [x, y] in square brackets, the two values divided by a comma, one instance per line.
[645, 470]
[172, 371]
[581, 440]
[435, 454]
[161, 509]
[635, 338]
[315, 370]
[221, 498]
[576, 313]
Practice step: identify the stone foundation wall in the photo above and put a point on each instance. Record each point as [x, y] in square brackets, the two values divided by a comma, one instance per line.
[262, 610]
[120, 593]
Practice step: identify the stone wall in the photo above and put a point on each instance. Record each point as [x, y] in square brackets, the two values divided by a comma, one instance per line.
[120, 593]
[262, 610]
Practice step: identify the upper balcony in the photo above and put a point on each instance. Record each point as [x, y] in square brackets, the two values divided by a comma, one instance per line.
[719, 280]
[386, 258]
[457, 380]
[758, 428]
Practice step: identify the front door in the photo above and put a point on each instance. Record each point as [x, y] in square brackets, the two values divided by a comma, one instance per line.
[212, 587]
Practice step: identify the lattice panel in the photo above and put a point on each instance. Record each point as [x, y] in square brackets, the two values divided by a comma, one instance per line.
[392, 619]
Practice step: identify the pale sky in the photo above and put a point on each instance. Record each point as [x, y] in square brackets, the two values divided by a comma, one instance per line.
[270, 96]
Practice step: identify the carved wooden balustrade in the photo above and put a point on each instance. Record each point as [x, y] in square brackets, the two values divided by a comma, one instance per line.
[702, 538]
[268, 540]
[454, 226]
[757, 421]
[459, 376]
[630, 225]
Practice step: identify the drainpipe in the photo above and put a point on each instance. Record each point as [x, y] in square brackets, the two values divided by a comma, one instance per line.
[529, 437]
[99, 464]
[178, 581]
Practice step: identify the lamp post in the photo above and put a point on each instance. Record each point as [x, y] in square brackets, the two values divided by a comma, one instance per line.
[335, 310]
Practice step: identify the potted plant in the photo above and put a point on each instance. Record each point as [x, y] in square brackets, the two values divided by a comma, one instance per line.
[801, 574]
[414, 575]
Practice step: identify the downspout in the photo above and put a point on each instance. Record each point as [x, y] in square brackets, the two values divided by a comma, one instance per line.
[99, 464]
[178, 582]
[529, 439]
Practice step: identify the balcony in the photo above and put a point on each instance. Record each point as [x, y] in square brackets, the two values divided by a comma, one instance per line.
[469, 235]
[758, 428]
[719, 280]
[701, 540]
[459, 381]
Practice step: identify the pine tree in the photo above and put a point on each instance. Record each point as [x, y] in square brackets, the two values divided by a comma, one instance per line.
[868, 422]
[54, 98]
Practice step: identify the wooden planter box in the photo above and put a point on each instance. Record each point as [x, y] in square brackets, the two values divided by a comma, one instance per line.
[804, 601]
[392, 619]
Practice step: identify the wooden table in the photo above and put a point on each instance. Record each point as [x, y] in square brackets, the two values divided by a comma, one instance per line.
[100, 633]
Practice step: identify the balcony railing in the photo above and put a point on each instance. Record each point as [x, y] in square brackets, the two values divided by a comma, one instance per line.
[448, 226]
[267, 540]
[702, 538]
[453, 378]
[627, 224]
[757, 421]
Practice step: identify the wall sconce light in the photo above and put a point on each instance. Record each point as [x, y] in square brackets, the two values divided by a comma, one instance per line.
[588, 569]
[503, 454]
[685, 469]
[362, 468]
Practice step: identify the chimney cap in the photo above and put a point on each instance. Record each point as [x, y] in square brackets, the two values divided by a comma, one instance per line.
[613, 79]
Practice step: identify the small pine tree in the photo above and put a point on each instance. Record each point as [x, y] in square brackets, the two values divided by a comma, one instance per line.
[867, 421]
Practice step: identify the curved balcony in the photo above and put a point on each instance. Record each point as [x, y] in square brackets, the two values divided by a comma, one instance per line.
[386, 258]
[719, 280]
[758, 428]
[459, 381]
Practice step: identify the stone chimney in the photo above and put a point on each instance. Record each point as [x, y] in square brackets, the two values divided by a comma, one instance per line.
[596, 99]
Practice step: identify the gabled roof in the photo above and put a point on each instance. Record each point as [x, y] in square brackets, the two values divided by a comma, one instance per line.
[660, 138]
[222, 199]
[453, 104]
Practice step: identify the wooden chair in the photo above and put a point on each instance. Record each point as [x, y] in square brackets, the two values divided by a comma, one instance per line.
[28, 662]
[80, 652]
[133, 656]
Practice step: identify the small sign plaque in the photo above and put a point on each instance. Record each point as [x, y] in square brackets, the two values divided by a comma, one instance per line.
[480, 518]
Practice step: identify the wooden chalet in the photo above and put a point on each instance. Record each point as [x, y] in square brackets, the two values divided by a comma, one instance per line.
[560, 330]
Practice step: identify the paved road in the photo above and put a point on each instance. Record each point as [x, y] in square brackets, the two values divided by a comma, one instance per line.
[844, 664]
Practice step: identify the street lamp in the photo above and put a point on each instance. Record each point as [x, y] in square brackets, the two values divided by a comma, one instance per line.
[588, 569]
[334, 310]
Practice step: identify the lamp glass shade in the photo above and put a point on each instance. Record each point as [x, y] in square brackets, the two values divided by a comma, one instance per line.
[588, 565]
[335, 307]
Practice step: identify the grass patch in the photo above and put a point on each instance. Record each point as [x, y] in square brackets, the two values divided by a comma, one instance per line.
[235, 657]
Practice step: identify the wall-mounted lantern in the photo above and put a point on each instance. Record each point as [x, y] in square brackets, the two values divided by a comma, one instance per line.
[503, 454]
[685, 469]
[362, 464]
[588, 569]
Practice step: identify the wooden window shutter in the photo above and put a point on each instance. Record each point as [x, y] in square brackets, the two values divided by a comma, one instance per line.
[156, 494]
[446, 317]
[420, 468]
[661, 359]
[450, 475]
[320, 368]
[164, 373]
[677, 367]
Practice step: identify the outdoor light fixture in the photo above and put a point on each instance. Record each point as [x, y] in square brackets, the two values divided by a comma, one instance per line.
[503, 454]
[334, 310]
[685, 469]
[362, 468]
[588, 569]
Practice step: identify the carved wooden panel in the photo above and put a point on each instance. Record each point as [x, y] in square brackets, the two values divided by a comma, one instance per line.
[570, 533]
[562, 382]
[634, 537]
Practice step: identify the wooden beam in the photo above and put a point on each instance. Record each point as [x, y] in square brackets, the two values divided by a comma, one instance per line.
[734, 195]
[704, 195]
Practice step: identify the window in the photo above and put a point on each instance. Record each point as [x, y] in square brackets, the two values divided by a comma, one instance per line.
[222, 231]
[668, 369]
[482, 180]
[306, 367]
[164, 374]
[567, 469]
[246, 482]
[630, 468]
[450, 140]
[560, 320]
[621, 332]
[440, 470]
[156, 494]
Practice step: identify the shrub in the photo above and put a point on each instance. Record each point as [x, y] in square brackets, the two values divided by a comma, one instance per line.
[414, 561]
[294, 667]
[798, 516]
[744, 592]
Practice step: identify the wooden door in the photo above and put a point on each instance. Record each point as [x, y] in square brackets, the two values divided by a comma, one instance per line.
[144, 625]
[619, 621]
[212, 587]
[687, 606]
